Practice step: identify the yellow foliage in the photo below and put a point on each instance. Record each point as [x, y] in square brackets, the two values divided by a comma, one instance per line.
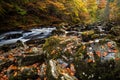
[102, 4]
[114, 10]
[58, 5]
[76, 6]
[92, 9]
[41, 4]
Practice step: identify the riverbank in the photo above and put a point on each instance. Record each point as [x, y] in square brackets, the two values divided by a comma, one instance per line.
[70, 52]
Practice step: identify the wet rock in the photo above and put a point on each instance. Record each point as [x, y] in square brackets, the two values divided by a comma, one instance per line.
[33, 50]
[53, 65]
[21, 44]
[58, 32]
[11, 35]
[58, 71]
[72, 28]
[103, 35]
[30, 59]
[35, 41]
[73, 33]
[63, 63]
[100, 28]
[8, 47]
[110, 56]
[43, 69]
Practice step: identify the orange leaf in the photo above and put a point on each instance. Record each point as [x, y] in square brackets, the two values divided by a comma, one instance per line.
[90, 60]
[98, 53]
[12, 67]
[15, 74]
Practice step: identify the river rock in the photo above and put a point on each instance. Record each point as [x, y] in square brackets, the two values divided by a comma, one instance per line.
[35, 50]
[73, 33]
[30, 59]
[7, 47]
[12, 36]
[35, 41]
[57, 71]
[58, 32]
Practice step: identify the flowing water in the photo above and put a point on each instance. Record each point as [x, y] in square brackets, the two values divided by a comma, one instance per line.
[14, 36]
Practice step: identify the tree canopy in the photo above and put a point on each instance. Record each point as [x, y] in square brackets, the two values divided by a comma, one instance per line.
[24, 12]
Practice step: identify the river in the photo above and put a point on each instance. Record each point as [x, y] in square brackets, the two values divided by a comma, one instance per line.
[14, 36]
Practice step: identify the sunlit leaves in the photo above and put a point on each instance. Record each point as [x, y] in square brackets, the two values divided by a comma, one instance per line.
[78, 10]
[102, 4]
[56, 4]
[92, 9]
[114, 10]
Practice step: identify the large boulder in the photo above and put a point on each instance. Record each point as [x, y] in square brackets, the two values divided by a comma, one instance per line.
[30, 59]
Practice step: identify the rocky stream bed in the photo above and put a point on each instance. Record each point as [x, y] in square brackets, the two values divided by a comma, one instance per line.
[60, 53]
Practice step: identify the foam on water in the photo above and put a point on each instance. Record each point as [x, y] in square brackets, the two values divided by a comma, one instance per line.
[31, 34]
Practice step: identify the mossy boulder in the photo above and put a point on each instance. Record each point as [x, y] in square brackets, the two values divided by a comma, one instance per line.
[86, 35]
[56, 46]
[115, 31]
[51, 46]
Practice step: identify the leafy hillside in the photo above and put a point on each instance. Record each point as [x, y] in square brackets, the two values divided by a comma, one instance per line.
[29, 13]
